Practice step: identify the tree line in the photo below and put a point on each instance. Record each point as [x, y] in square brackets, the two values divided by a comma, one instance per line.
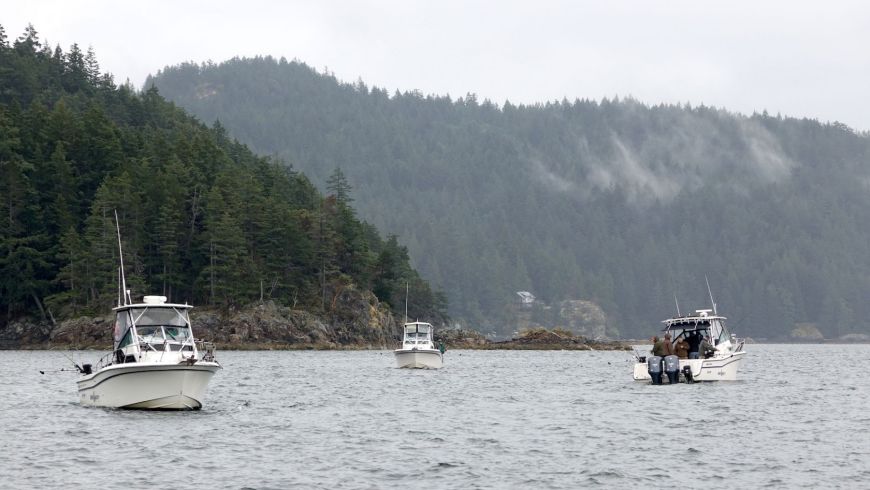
[202, 218]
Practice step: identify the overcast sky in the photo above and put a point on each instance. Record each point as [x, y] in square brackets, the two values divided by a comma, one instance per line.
[802, 59]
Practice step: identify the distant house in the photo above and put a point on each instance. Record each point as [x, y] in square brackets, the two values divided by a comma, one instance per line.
[527, 299]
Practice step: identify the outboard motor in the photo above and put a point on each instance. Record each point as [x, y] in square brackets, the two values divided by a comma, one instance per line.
[86, 369]
[687, 373]
[654, 368]
[672, 368]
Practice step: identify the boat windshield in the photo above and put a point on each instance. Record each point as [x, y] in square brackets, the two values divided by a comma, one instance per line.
[418, 337]
[687, 330]
[154, 333]
[158, 326]
[720, 333]
[160, 316]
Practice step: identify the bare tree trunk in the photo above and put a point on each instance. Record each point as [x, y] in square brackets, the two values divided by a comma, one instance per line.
[39, 305]
[211, 258]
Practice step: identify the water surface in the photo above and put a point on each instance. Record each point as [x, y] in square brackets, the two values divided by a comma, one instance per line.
[489, 419]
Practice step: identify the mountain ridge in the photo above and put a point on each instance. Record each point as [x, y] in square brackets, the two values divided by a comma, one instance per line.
[613, 201]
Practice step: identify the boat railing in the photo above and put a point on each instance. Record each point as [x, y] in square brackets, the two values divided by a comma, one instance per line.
[206, 348]
[737, 343]
[105, 361]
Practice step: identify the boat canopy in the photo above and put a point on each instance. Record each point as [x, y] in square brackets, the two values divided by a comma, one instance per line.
[152, 318]
[417, 333]
[702, 321]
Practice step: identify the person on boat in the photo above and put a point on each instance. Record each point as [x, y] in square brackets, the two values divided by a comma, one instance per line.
[694, 340]
[705, 348]
[658, 347]
[682, 348]
[669, 345]
[442, 347]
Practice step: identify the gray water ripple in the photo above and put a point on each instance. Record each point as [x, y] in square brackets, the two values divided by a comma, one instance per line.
[489, 419]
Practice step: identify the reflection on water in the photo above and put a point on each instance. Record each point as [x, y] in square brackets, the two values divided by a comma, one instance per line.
[489, 419]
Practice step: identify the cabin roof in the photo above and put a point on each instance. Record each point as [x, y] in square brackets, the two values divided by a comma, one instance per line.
[152, 302]
[146, 305]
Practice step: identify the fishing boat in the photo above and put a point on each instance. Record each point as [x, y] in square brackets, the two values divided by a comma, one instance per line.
[155, 362]
[721, 362]
[418, 348]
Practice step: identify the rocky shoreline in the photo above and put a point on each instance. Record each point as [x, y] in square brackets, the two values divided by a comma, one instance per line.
[276, 328]
[359, 322]
[542, 339]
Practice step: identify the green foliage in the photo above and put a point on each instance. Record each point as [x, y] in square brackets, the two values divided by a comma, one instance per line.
[202, 218]
[612, 200]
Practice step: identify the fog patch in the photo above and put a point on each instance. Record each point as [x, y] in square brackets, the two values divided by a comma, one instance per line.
[684, 153]
[550, 180]
[768, 160]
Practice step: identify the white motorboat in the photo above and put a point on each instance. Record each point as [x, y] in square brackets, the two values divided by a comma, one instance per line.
[155, 363]
[721, 362]
[418, 348]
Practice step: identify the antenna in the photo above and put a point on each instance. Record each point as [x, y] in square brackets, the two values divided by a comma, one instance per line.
[711, 294]
[121, 256]
[677, 303]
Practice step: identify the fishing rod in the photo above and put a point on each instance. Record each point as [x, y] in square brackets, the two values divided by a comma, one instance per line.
[61, 370]
[70, 359]
[637, 355]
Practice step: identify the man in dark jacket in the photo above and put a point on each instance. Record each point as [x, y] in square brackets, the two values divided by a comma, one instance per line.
[669, 345]
[694, 340]
[705, 348]
[682, 348]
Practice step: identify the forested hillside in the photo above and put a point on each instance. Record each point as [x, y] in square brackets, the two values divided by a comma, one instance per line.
[613, 201]
[203, 219]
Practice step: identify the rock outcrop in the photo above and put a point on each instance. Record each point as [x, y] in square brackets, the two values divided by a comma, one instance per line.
[806, 332]
[556, 339]
[354, 319]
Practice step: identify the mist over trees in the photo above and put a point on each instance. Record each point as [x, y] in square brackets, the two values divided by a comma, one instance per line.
[203, 219]
[613, 201]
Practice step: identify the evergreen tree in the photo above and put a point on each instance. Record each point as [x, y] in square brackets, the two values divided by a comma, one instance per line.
[339, 187]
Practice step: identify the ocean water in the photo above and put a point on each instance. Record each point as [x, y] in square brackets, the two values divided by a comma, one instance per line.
[488, 419]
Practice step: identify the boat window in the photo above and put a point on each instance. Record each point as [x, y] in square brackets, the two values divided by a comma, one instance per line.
[723, 336]
[160, 316]
[127, 340]
[150, 334]
[177, 333]
[122, 321]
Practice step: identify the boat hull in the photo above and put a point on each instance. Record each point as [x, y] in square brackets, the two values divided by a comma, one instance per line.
[419, 358]
[724, 368]
[151, 386]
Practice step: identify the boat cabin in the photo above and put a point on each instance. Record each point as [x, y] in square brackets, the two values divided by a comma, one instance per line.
[153, 331]
[702, 323]
[418, 335]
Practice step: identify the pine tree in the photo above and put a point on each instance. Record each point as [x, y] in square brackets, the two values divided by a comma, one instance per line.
[338, 185]
[72, 297]
[227, 275]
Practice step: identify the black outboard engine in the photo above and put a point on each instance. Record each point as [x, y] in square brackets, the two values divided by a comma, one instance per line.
[654, 368]
[687, 373]
[86, 369]
[672, 368]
